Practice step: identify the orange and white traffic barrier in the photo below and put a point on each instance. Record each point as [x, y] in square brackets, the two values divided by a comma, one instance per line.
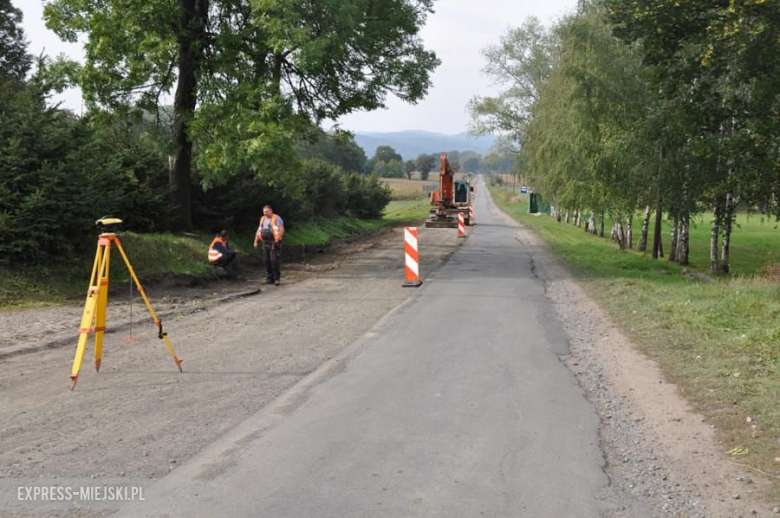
[461, 225]
[412, 258]
[471, 216]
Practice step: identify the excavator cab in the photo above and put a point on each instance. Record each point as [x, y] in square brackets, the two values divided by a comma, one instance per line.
[461, 192]
[452, 198]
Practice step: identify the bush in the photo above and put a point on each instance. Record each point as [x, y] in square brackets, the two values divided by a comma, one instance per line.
[58, 174]
[35, 188]
[327, 192]
[324, 189]
[238, 203]
[367, 197]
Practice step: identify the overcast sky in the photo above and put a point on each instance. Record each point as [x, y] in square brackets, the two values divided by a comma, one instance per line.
[457, 32]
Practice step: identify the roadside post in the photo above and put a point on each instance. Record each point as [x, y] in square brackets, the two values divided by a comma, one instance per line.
[412, 258]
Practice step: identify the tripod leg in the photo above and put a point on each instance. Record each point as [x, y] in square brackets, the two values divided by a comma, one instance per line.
[102, 303]
[160, 333]
[88, 316]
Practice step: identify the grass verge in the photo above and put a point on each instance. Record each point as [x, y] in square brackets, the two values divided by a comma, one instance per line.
[155, 256]
[719, 342]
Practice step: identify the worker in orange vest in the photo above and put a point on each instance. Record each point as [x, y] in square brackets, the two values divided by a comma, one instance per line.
[271, 232]
[220, 253]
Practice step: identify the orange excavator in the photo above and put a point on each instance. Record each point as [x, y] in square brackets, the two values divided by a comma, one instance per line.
[453, 197]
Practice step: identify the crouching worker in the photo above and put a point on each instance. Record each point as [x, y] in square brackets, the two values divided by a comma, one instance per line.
[220, 254]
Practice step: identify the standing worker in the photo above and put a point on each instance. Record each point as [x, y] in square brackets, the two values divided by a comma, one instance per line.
[271, 232]
[220, 254]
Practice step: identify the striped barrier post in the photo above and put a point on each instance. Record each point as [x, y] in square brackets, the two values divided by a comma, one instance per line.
[412, 258]
[471, 216]
[461, 225]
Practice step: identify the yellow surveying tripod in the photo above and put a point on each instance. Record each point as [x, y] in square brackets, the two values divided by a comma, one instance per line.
[97, 299]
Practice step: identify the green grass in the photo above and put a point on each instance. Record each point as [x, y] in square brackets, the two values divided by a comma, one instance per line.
[322, 231]
[407, 211]
[720, 342]
[151, 256]
[26, 287]
[157, 255]
[755, 241]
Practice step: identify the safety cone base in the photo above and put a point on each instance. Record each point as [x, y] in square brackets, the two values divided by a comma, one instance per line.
[412, 284]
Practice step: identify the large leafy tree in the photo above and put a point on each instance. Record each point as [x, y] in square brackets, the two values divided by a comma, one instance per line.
[337, 147]
[384, 155]
[425, 164]
[247, 75]
[410, 166]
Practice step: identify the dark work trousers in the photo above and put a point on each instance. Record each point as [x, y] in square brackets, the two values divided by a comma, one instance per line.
[226, 259]
[272, 255]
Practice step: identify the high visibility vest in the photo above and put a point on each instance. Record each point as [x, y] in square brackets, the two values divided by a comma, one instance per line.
[214, 254]
[274, 227]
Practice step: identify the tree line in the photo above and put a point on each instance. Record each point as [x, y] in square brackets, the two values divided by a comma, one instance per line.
[197, 113]
[664, 109]
[388, 163]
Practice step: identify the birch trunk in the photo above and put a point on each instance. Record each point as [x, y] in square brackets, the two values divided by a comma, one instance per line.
[657, 241]
[673, 247]
[728, 220]
[630, 232]
[601, 225]
[645, 228]
[658, 246]
[714, 234]
[683, 239]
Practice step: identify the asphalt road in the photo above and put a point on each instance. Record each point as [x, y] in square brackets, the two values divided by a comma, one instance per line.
[455, 404]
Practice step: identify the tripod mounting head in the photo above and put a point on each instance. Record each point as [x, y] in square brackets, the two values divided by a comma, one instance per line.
[108, 225]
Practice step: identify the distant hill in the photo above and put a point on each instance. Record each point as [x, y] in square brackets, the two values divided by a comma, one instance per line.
[411, 143]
